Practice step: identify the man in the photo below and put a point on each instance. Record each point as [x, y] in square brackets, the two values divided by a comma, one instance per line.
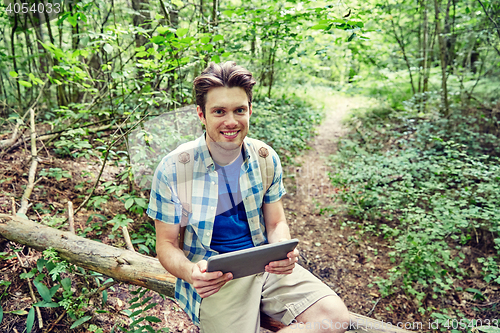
[229, 212]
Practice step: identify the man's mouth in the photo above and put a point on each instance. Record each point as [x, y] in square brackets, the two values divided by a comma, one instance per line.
[230, 135]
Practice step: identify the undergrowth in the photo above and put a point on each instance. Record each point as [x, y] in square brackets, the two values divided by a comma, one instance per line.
[285, 124]
[429, 185]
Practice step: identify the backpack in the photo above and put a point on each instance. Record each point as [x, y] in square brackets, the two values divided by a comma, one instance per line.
[185, 177]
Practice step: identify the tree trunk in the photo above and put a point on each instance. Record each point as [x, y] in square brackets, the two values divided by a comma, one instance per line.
[442, 52]
[119, 264]
[142, 8]
[14, 61]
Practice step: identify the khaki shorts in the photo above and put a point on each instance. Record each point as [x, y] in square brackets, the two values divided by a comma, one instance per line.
[236, 307]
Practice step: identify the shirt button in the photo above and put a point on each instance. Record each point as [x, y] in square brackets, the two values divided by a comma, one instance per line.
[213, 183]
[212, 208]
[208, 233]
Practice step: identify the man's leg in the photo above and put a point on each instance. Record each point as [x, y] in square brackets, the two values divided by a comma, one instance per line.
[329, 314]
[234, 308]
[303, 302]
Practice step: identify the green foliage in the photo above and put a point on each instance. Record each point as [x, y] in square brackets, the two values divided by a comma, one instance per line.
[145, 238]
[56, 173]
[118, 221]
[491, 269]
[136, 312]
[409, 181]
[285, 124]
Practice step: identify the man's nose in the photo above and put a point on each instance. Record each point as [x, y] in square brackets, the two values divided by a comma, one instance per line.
[230, 120]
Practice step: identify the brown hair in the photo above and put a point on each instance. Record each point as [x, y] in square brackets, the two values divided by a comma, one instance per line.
[226, 74]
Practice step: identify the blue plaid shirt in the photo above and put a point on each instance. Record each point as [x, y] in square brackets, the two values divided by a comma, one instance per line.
[164, 205]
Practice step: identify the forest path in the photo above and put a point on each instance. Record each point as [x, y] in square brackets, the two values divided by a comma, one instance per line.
[337, 254]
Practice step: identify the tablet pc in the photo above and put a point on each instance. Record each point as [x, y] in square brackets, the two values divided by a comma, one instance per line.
[250, 261]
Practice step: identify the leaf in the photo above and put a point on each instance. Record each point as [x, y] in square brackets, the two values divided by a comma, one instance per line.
[104, 297]
[30, 320]
[108, 48]
[158, 39]
[319, 26]
[178, 3]
[80, 321]
[1, 314]
[182, 31]
[43, 291]
[488, 329]
[72, 20]
[216, 58]
[153, 319]
[19, 312]
[208, 47]
[218, 38]
[25, 83]
[351, 37]
[129, 203]
[161, 30]
[54, 290]
[13, 74]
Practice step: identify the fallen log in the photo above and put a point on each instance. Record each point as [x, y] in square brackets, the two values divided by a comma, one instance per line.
[120, 264]
[128, 266]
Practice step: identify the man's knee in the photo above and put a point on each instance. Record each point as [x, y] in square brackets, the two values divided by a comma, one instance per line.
[329, 313]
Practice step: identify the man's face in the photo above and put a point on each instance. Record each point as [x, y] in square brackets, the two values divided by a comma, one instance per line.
[227, 117]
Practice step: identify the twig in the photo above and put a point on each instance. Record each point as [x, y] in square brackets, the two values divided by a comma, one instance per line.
[12, 141]
[13, 206]
[37, 309]
[56, 321]
[374, 305]
[106, 158]
[34, 164]
[71, 218]
[126, 236]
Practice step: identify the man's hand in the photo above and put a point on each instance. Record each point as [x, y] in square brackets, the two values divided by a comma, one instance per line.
[205, 283]
[284, 266]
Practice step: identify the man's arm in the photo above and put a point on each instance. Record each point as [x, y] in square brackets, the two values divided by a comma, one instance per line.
[277, 231]
[172, 258]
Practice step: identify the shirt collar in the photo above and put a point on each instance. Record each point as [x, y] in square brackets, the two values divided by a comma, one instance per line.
[207, 158]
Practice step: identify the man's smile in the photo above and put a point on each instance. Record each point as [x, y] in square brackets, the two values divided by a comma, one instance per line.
[230, 134]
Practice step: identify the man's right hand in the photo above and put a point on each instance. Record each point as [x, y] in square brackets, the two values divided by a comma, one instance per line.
[205, 283]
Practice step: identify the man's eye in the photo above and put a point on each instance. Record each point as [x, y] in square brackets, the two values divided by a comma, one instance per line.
[240, 110]
[218, 111]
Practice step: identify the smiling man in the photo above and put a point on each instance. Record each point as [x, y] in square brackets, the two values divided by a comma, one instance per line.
[230, 208]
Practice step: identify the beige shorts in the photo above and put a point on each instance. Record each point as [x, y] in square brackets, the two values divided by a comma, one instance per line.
[236, 307]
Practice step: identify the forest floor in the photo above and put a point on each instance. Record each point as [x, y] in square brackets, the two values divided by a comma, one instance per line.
[339, 255]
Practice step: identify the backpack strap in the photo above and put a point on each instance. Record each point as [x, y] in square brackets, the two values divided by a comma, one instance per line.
[184, 171]
[266, 164]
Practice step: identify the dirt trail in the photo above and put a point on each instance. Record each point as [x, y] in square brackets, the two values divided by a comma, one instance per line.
[336, 254]
[308, 183]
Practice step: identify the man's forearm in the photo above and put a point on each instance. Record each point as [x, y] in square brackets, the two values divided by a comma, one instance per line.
[278, 232]
[174, 261]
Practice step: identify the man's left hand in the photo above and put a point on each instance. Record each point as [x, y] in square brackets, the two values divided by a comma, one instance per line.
[284, 266]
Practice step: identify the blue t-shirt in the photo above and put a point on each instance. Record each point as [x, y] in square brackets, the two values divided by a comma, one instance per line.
[231, 231]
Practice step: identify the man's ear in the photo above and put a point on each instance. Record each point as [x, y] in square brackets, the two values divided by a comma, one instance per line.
[250, 109]
[200, 115]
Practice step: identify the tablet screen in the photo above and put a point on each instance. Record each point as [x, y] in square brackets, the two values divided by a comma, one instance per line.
[250, 261]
